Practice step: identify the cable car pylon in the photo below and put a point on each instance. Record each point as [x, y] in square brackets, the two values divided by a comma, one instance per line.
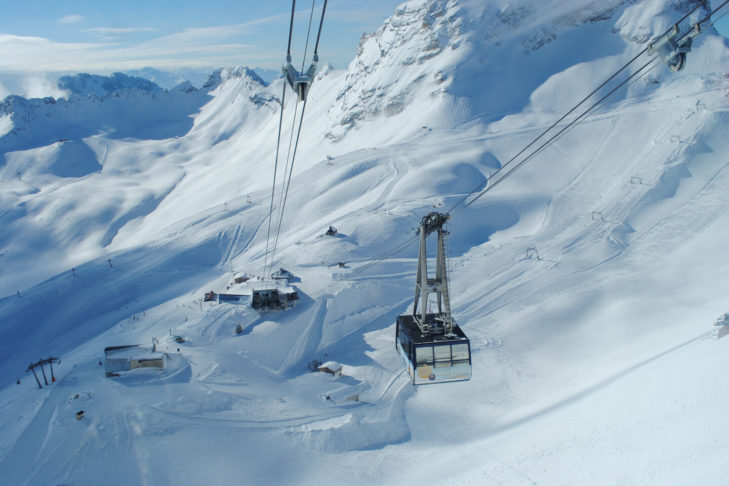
[431, 344]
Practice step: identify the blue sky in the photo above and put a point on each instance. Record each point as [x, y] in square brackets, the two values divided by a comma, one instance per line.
[722, 25]
[102, 36]
[51, 36]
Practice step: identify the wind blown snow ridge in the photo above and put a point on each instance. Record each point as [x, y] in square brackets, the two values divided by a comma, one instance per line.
[588, 283]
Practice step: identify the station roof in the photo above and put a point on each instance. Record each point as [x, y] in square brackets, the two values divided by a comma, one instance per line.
[247, 288]
[136, 351]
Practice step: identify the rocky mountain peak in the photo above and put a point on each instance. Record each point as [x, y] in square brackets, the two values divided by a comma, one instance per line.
[222, 75]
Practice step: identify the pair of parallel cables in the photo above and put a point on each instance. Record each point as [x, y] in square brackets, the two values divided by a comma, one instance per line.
[299, 82]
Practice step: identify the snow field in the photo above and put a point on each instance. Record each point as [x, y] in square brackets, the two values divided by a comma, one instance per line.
[588, 282]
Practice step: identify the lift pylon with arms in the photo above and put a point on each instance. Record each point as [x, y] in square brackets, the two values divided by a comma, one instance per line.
[39, 364]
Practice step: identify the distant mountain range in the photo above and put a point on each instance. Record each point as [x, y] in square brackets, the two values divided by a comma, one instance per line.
[197, 77]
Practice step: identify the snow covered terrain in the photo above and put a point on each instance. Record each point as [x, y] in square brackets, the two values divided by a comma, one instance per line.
[589, 282]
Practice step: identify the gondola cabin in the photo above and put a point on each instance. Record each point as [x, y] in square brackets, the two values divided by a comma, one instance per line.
[434, 357]
[433, 347]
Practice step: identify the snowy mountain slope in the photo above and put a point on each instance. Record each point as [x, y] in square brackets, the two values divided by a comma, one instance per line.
[120, 105]
[587, 282]
[96, 161]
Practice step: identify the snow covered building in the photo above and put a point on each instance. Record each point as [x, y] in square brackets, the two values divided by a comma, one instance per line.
[262, 294]
[130, 357]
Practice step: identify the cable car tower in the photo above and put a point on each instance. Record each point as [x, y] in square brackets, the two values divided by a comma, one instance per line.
[431, 344]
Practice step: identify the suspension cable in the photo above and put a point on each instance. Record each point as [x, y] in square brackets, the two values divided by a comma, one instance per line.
[535, 140]
[628, 82]
[288, 182]
[290, 156]
[713, 22]
[585, 113]
[392, 251]
[318, 36]
[291, 28]
[592, 93]
[707, 17]
[283, 183]
[409, 241]
[564, 129]
[275, 170]
[308, 32]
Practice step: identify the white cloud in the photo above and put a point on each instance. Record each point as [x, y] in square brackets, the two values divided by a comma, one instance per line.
[260, 41]
[116, 33]
[71, 19]
[40, 87]
[209, 46]
[3, 92]
[36, 54]
[203, 35]
[39, 54]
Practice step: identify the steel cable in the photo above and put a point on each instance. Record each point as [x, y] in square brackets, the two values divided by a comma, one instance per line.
[290, 157]
[275, 170]
[558, 134]
[288, 184]
[592, 93]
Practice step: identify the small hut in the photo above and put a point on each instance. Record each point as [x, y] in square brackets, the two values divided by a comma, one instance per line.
[331, 367]
[282, 274]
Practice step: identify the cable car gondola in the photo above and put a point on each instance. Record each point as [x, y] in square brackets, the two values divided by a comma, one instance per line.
[432, 345]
